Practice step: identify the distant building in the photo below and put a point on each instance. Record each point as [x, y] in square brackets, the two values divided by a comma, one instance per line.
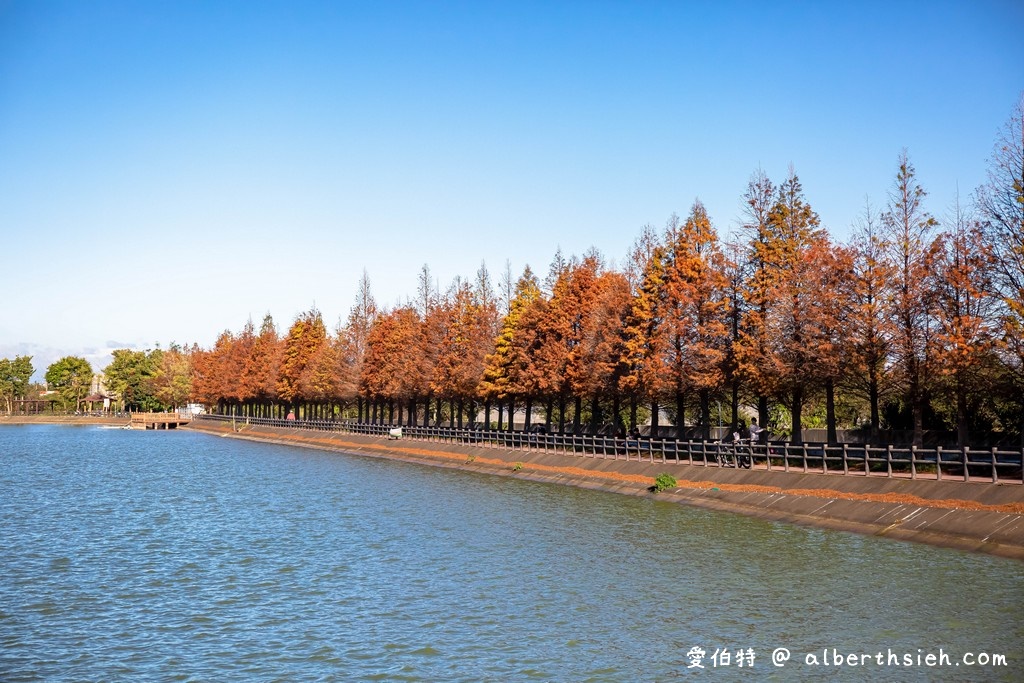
[99, 397]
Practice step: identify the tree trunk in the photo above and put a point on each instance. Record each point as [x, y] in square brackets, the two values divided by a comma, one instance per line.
[917, 411]
[577, 416]
[654, 419]
[705, 414]
[876, 418]
[962, 436]
[762, 413]
[916, 401]
[511, 414]
[616, 418]
[595, 414]
[830, 412]
[680, 415]
[798, 408]
[561, 413]
[501, 415]
[529, 414]
[632, 412]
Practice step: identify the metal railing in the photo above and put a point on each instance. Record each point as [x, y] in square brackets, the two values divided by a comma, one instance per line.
[966, 464]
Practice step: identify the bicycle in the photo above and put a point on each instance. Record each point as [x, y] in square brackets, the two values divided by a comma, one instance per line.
[744, 456]
[733, 455]
[725, 454]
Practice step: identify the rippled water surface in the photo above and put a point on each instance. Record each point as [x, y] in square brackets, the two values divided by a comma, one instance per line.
[132, 555]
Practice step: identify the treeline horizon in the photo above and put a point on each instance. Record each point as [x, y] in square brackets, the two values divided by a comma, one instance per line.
[912, 324]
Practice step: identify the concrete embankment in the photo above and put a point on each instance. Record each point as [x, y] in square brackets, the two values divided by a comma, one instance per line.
[974, 516]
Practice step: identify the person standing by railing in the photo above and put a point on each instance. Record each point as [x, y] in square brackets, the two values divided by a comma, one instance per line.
[755, 431]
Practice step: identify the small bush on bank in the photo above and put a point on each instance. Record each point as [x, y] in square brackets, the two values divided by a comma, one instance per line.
[662, 482]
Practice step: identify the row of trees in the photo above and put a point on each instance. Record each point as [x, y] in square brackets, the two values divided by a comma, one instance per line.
[912, 324]
[136, 380]
[70, 377]
[150, 380]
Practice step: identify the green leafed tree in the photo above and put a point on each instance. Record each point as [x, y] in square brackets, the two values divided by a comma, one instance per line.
[130, 375]
[172, 381]
[14, 379]
[71, 377]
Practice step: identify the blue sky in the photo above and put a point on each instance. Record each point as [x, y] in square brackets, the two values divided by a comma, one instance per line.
[169, 170]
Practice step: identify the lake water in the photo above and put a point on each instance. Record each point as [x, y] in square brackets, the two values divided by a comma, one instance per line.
[131, 555]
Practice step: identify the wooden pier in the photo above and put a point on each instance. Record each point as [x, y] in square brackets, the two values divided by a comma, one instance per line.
[158, 420]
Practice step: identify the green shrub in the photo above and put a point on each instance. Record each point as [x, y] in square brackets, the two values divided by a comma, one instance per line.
[662, 482]
[518, 466]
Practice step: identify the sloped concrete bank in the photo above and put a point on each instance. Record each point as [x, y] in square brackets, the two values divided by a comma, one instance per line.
[974, 516]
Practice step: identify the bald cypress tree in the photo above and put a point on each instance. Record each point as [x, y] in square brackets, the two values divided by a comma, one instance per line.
[907, 230]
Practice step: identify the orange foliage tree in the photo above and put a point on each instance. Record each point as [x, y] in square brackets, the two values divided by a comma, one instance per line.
[695, 304]
[1001, 204]
[505, 369]
[301, 346]
[595, 308]
[960, 265]
[216, 373]
[547, 334]
[751, 339]
[352, 341]
[831, 305]
[467, 333]
[907, 228]
[642, 338]
[869, 326]
[392, 375]
[776, 350]
[260, 368]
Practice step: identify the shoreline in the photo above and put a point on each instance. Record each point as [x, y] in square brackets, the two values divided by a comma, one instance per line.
[973, 516]
[63, 419]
